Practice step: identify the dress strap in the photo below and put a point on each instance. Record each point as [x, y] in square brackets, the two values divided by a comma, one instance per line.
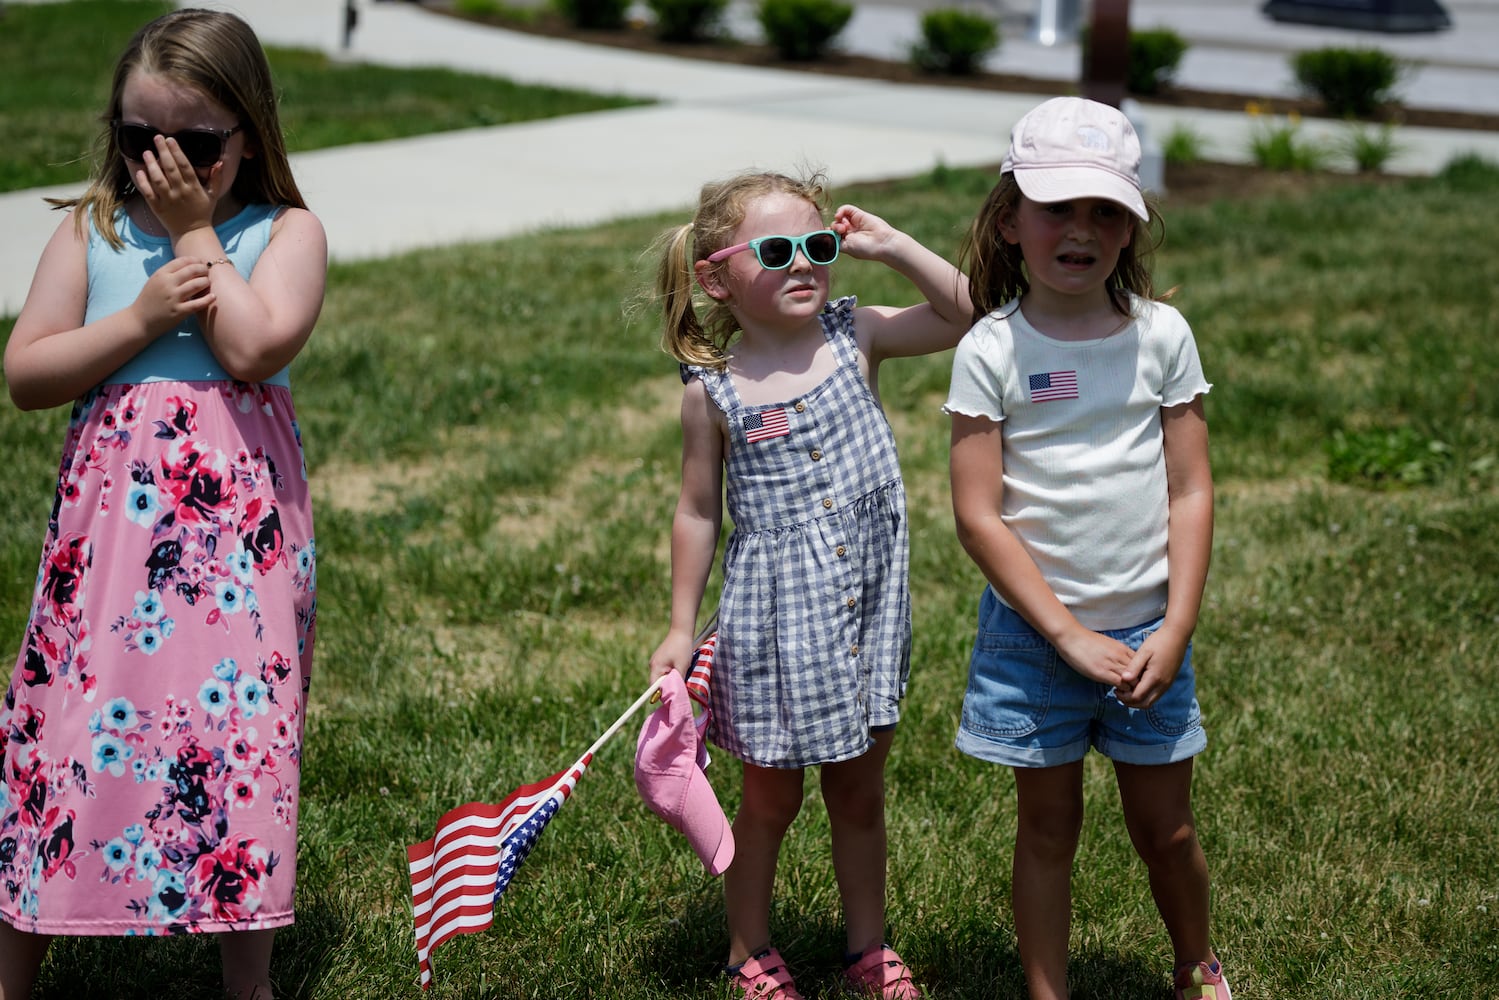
[838, 326]
[718, 384]
[837, 320]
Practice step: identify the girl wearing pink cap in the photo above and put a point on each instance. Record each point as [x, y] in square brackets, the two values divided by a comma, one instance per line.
[1082, 489]
[781, 416]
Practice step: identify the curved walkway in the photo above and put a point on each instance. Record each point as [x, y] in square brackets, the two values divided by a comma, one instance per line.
[379, 199]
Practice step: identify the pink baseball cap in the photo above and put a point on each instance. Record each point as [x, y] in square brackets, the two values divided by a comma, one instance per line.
[1071, 147]
[669, 762]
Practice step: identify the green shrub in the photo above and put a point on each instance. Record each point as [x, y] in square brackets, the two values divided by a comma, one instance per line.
[1280, 146]
[501, 12]
[1370, 149]
[802, 30]
[1154, 56]
[1183, 145]
[1349, 82]
[687, 20]
[1470, 172]
[606, 15]
[954, 41]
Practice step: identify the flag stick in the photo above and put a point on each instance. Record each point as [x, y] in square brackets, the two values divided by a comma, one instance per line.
[494, 837]
[655, 686]
[651, 694]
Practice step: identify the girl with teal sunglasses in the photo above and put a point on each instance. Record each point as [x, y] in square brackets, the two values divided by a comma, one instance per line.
[781, 407]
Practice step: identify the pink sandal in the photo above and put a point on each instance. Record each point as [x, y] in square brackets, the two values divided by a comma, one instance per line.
[880, 972]
[765, 977]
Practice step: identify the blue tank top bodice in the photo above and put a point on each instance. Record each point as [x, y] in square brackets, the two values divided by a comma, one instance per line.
[115, 278]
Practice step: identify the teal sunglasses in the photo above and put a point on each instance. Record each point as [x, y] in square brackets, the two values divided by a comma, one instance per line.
[775, 253]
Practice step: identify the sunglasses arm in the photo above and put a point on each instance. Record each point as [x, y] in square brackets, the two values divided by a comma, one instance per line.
[718, 255]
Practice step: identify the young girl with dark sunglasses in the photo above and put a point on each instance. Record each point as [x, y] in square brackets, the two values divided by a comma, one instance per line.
[814, 622]
[150, 740]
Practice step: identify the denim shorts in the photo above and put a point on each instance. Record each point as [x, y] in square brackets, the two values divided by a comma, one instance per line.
[1025, 707]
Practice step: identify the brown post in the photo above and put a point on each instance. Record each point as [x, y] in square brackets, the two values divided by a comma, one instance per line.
[1106, 63]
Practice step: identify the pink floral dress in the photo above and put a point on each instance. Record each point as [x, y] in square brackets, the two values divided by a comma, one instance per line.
[151, 735]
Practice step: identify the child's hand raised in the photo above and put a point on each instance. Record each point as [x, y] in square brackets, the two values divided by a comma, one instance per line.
[864, 234]
[902, 332]
[172, 190]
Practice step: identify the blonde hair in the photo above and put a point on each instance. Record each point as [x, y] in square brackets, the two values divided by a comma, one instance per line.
[995, 267]
[217, 54]
[721, 208]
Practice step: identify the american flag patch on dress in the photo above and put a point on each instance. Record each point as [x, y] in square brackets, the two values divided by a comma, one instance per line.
[766, 424]
[1053, 385]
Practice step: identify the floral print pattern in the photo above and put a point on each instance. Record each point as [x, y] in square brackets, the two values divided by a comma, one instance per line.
[151, 734]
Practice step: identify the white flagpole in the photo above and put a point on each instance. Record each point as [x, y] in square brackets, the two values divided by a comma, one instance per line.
[655, 686]
[650, 692]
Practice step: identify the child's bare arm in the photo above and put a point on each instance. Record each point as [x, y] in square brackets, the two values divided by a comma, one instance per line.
[1189, 544]
[695, 527]
[256, 327]
[977, 470]
[894, 332]
[53, 358]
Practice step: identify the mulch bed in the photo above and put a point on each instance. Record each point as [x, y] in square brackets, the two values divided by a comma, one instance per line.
[643, 39]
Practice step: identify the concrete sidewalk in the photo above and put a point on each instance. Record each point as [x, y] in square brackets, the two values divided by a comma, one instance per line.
[712, 119]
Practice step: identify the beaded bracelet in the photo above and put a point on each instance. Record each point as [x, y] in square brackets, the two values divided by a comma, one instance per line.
[218, 260]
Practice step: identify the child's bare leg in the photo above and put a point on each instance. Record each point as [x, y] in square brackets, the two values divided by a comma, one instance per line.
[1049, 822]
[21, 957]
[246, 957]
[1157, 804]
[772, 798]
[854, 792]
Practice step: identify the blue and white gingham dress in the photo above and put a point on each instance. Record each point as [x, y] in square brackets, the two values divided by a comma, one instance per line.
[814, 626]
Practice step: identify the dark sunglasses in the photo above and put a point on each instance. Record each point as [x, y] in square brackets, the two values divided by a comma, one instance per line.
[775, 253]
[203, 147]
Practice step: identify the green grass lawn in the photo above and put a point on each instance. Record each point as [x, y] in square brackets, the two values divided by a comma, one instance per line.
[492, 435]
[56, 61]
[493, 439]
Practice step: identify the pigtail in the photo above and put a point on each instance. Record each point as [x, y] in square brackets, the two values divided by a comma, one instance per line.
[683, 336]
[721, 208]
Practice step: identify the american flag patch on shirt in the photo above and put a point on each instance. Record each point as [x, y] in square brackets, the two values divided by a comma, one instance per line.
[1053, 385]
[766, 424]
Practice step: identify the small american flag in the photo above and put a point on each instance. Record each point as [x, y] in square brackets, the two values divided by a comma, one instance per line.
[766, 424]
[700, 674]
[457, 876]
[1053, 385]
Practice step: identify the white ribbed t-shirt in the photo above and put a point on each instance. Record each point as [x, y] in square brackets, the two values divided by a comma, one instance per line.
[1084, 465]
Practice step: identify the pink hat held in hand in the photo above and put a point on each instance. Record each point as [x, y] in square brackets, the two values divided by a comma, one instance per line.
[669, 762]
[1071, 147]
